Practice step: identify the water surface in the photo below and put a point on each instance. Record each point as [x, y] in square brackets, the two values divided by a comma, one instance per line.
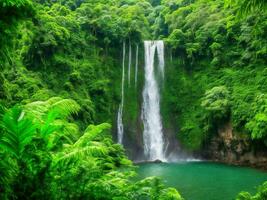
[205, 180]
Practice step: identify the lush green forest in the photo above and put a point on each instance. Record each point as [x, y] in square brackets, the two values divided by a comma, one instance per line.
[225, 60]
[60, 65]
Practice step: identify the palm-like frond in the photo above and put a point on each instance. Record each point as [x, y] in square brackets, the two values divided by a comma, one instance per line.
[71, 132]
[63, 132]
[80, 154]
[85, 147]
[48, 126]
[91, 133]
[36, 109]
[2, 110]
[18, 131]
[63, 107]
[51, 116]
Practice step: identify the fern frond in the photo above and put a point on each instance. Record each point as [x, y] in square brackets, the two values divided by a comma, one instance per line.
[91, 133]
[50, 115]
[18, 131]
[71, 131]
[85, 147]
[36, 109]
[63, 107]
[8, 172]
[2, 111]
[77, 154]
[66, 107]
[48, 126]
[62, 130]
[53, 100]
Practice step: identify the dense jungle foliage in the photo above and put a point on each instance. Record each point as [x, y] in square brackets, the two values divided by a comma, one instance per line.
[53, 159]
[60, 72]
[222, 61]
[65, 49]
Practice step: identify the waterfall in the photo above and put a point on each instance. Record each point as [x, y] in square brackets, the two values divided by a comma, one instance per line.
[152, 135]
[136, 65]
[129, 64]
[120, 111]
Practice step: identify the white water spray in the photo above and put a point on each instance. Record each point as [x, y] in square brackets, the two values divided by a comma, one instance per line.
[152, 135]
[136, 65]
[120, 111]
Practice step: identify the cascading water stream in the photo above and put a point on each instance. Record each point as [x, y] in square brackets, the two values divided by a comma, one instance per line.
[136, 65]
[129, 64]
[160, 50]
[152, 135]
[120, 111]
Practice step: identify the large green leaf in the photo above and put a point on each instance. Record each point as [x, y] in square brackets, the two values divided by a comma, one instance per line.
[18, 131]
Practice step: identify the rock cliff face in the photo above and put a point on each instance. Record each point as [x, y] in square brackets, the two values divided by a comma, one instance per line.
[234, 148]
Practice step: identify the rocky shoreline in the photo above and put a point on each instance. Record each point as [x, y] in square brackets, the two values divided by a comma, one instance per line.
[230, 148]
[236, 149]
